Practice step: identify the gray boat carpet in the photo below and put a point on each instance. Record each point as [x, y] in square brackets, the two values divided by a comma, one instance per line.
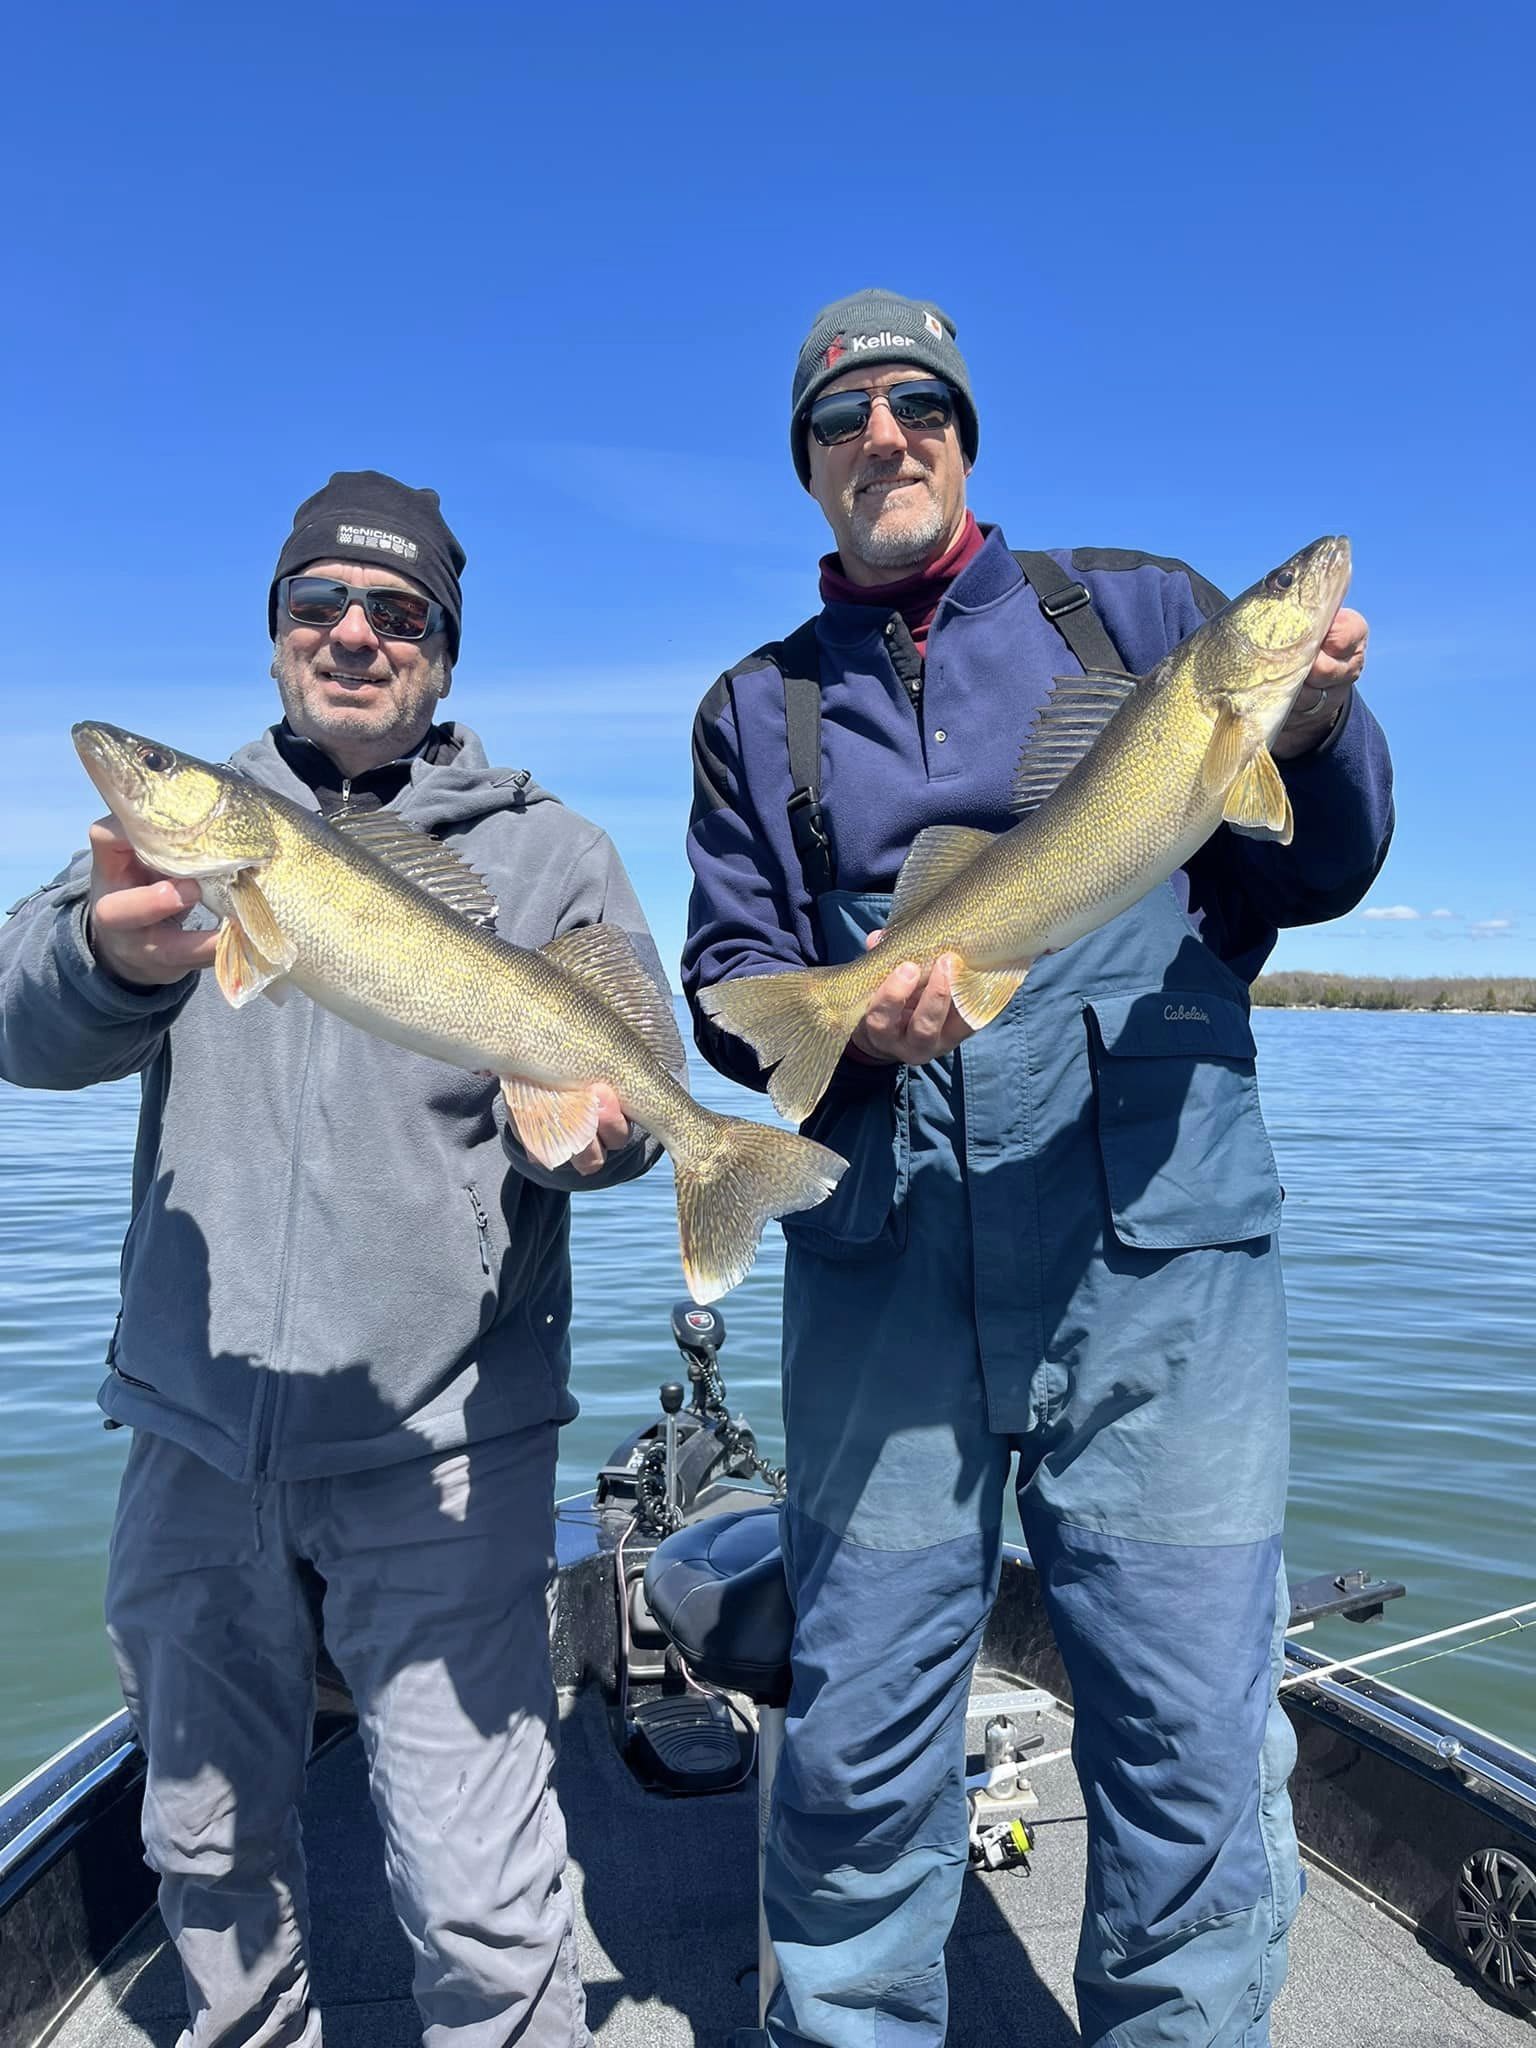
[667, 1916]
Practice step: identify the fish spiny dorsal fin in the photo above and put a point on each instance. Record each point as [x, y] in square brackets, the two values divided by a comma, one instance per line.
[1258, 804]
[936, 857]
[417, 857]
[1065, 727]
[604, 957]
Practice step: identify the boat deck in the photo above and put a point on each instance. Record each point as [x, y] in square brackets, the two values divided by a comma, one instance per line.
[667, 1915]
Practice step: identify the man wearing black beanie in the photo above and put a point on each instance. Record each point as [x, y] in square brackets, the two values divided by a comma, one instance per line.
[343, 1346]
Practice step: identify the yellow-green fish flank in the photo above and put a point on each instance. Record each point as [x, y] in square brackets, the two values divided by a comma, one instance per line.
[1123, 779]
[333, 910]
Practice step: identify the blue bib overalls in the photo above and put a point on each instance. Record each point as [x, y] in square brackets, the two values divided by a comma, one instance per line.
[1056, 1245]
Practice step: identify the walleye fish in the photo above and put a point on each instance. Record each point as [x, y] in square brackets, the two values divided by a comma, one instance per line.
[374, 920]
[1121, 779]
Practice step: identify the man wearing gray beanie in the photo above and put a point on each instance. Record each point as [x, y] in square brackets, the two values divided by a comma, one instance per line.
[1055, 1243]
[344, 1339]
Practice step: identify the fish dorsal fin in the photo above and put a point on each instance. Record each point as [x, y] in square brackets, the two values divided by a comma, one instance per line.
[1065, 727]
[251, 952]
[604, 957]
[936, 857]
[419, 858]
[1258, 804]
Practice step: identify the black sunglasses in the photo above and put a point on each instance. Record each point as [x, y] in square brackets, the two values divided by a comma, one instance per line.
[393, 614]
[925, 404]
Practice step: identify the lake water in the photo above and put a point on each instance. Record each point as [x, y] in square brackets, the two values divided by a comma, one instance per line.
[1405, 1145]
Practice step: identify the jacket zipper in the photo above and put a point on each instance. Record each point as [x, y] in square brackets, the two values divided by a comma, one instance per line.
[483, 1230]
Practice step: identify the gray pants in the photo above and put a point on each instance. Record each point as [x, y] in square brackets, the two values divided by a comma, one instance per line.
[437, 1576]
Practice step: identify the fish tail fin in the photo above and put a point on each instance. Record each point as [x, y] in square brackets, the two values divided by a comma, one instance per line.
[797, 1023]
[744, 1175]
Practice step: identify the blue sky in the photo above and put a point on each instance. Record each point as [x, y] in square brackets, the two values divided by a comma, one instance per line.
[1225, 277]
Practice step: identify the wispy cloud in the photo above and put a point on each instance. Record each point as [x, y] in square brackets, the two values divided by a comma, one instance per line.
[1442, 913]
[1395, 913]
[1492, 928]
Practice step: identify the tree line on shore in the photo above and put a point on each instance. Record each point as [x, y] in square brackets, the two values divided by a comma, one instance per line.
[1297, 991]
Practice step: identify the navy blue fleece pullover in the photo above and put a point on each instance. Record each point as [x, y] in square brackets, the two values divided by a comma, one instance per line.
[908, 743]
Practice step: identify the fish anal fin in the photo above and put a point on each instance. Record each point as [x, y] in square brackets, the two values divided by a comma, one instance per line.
[416, 857]
[1066, 728]
[553, 1123]
[936, 857]
[240, 970]
[982, 993]
[1258, 803]
[604, 957]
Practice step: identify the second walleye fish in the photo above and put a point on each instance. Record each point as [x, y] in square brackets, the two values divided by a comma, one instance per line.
[336, 913]
[1123, 779]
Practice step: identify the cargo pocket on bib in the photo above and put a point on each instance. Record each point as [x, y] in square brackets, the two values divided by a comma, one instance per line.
[1187, 1160]
[865, 1217]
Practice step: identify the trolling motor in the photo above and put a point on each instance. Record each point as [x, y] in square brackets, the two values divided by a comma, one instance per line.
[664, 1472]
[682, 1739]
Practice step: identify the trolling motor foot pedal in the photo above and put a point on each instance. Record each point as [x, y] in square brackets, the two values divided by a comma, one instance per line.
[685, 1743]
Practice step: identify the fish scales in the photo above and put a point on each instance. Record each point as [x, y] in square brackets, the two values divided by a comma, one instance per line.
[306, 905]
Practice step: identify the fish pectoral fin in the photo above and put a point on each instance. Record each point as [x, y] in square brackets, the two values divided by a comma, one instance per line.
[241, 970]
[981, 993]
[261, 928]
[604, 957]
[554, 1124]
[1223, 761]
[417, 857]
[1258, 803]
[936, 857]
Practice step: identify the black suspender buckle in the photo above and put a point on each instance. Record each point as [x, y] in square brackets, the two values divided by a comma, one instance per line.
[806, 826]
[1070, 599]
[808, 830]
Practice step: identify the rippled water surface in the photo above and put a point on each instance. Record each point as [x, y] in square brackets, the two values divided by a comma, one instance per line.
[1406, 1148]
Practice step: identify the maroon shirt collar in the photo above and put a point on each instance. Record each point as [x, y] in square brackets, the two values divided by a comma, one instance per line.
[918, 596]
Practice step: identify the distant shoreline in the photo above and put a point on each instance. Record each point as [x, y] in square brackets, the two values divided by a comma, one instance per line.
[1431, 995]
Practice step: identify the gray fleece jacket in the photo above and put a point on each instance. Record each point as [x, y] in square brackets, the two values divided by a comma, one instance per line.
[338, 1256]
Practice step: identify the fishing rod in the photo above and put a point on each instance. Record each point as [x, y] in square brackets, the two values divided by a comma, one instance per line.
[1321, 1671]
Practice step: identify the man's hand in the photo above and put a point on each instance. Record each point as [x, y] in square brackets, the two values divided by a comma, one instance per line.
[134, 919]
[910, 1019]
[613, 1133]
[1324, 696]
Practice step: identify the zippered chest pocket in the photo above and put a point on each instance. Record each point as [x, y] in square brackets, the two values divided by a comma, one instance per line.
[1186, 1157]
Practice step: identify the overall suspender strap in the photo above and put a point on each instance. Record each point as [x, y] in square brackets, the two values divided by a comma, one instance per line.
[1070, 610]
[799, 667]
[1064, 602]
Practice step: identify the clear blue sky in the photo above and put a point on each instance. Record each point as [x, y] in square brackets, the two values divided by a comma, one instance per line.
[1226, 277]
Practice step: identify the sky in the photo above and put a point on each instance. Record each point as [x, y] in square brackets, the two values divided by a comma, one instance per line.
[1225, 278]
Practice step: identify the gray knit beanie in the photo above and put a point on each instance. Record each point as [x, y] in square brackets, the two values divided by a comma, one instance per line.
[874, 326]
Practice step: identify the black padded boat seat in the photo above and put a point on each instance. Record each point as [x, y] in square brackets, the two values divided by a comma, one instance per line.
[718, 1591]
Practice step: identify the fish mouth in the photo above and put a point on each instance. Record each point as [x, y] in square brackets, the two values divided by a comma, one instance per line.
[105, 754]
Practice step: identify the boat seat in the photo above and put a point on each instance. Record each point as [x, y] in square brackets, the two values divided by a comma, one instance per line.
[717, 1590]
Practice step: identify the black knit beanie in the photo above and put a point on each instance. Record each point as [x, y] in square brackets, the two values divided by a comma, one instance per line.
[874, 326]
[365, 516]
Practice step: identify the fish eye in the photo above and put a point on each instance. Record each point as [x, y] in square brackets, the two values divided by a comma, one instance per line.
[1282, 579]
[155, 759]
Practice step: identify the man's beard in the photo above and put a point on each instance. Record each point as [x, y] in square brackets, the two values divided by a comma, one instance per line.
[886, 543]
